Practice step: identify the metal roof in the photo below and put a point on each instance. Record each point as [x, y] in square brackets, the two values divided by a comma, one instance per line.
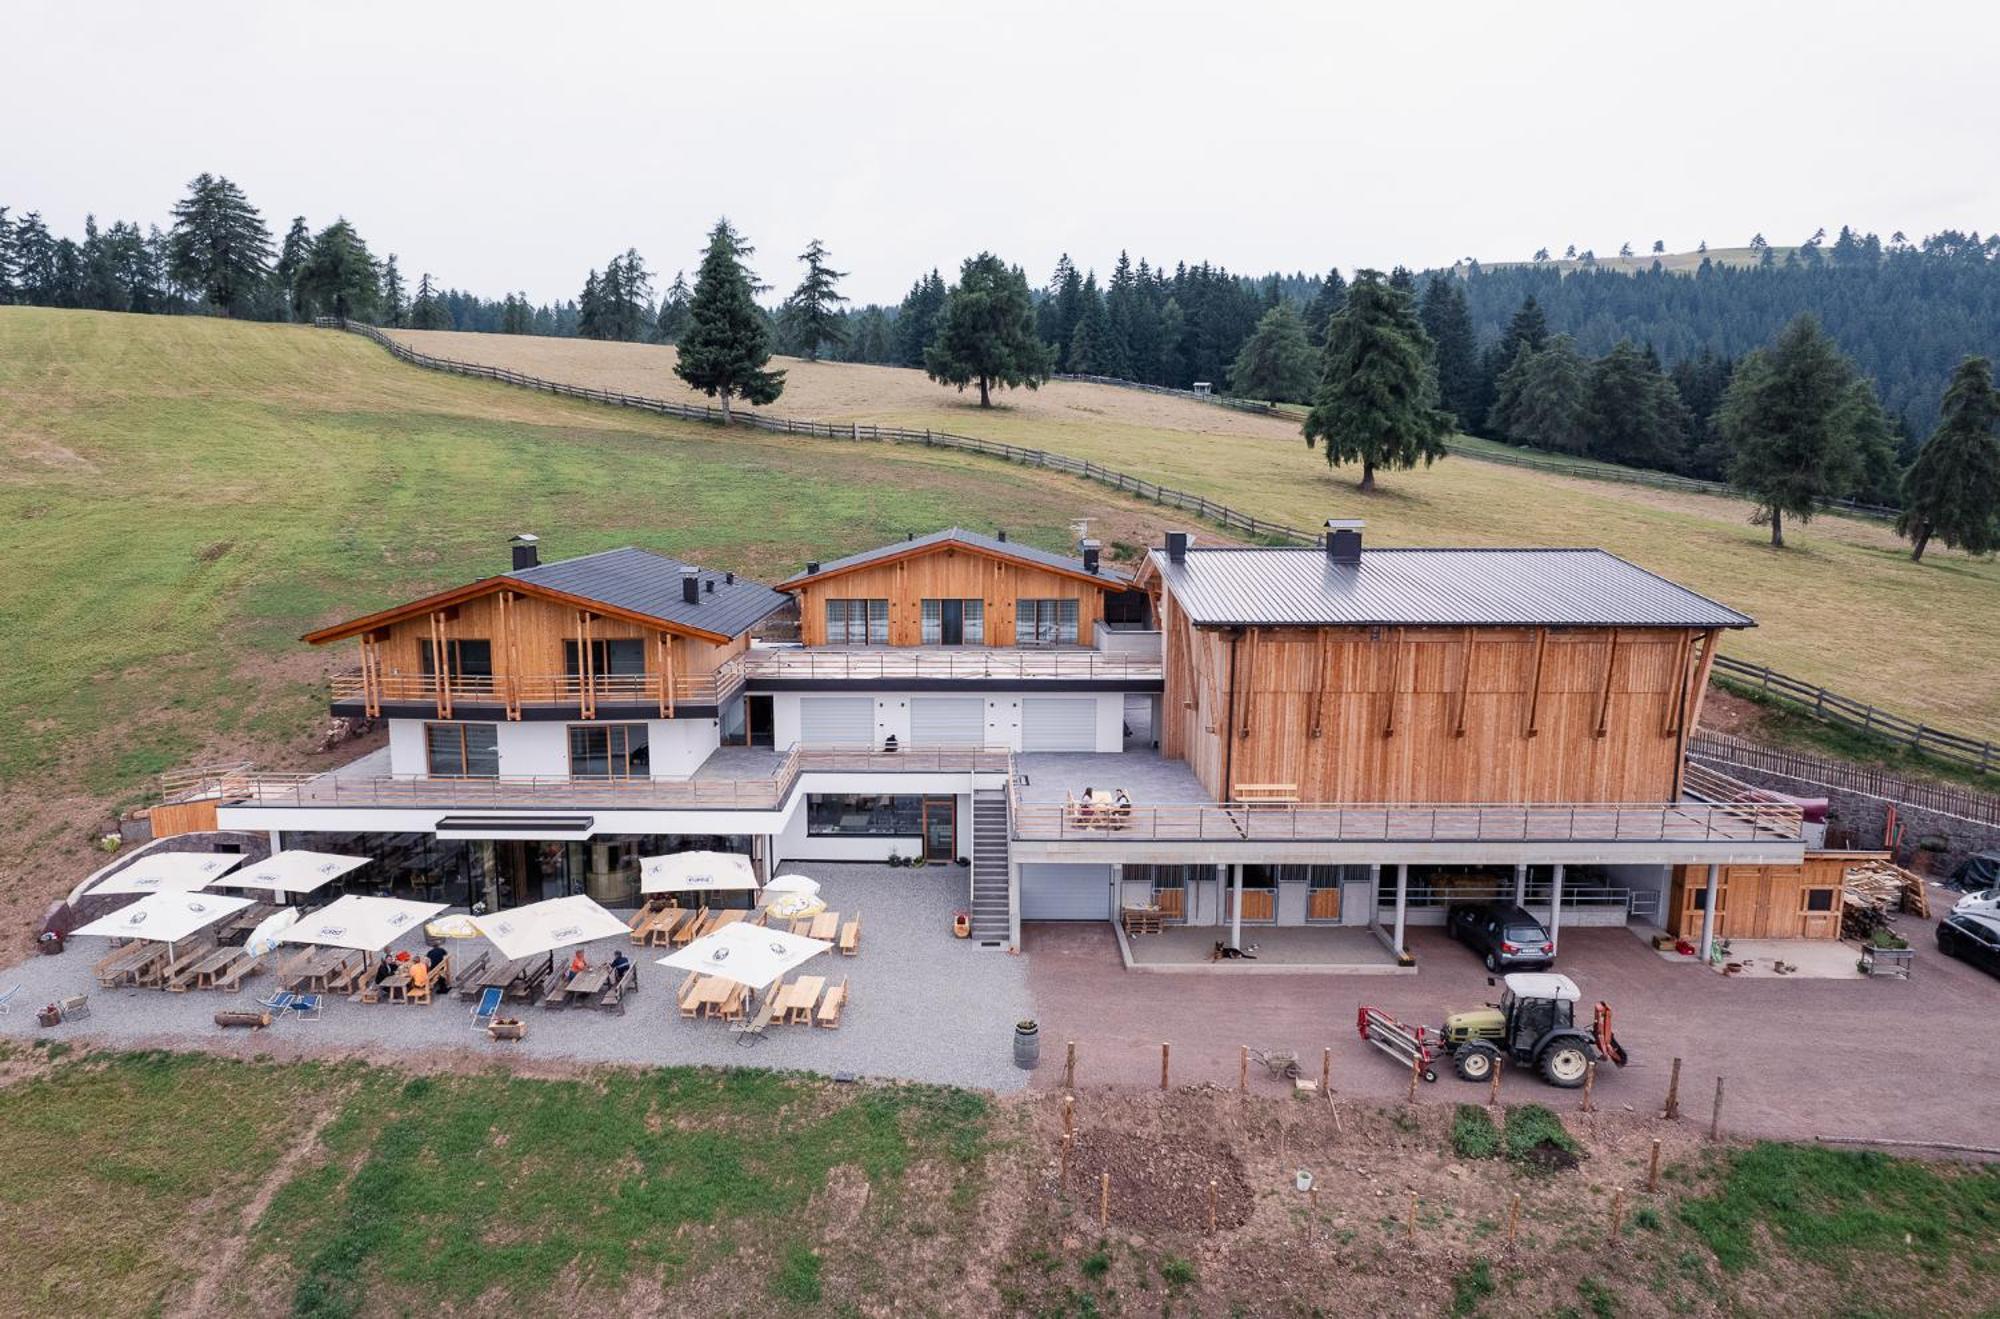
[646, 582]
[1444, 587]
[1012, 549]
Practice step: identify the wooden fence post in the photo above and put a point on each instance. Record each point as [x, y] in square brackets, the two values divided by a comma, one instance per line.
[1326, 1071]
[1243, 1071]
[1416, 1071]
[1653, 1168]
[1673, 1109]
[1715, 1119]
[1069, 1115]
[1493, 1086]
[1513, 1220]
[1069, 1067]
[1104, 1200]
[1063, 1179]
[1166, 1049]
[1211, 1205]
[1589, 1084]
[1617, 1212]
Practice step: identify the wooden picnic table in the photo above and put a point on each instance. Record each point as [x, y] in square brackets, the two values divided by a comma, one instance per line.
[797, 1000]
[655, 928]
[722, 918]
[690, 929]
[122, 964]
[235, 929]
[325, 970]
[200, 972]
[826, 926]
[713, 995]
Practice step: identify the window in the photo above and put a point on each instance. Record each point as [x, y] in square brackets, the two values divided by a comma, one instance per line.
[462, 751]
[954, 622]
[606, 658]
[616, 751]
[1819, 899]
[468, 658]
[857, 622]
[851, 815]
[1045, 623]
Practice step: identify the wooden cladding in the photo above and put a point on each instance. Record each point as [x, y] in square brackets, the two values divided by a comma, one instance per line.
[948, 573]
[1764, 902]
[1434, 714]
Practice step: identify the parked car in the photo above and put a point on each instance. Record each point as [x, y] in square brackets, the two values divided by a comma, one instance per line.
[1985, 904]
[1977, 873]
[1502, 933]
[1973, 938]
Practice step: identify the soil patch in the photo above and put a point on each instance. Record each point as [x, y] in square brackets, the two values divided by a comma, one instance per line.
[1160, 1183]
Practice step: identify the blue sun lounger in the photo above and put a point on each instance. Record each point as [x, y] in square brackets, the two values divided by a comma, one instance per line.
[487, 1008]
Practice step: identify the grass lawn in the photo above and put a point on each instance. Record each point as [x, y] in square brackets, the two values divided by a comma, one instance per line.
[1842, 606]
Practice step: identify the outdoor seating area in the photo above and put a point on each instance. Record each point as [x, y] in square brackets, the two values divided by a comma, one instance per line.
[1098, 808]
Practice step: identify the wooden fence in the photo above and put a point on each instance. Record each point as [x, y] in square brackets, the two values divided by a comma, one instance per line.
[1960, 803]
[1850, 713]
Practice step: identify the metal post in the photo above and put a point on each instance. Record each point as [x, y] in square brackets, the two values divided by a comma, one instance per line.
[1708, 911]
[1402, 900]
[1556, 908]
[1520, 885]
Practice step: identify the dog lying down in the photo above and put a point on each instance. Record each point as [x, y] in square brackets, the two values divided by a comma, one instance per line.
[1223, 952]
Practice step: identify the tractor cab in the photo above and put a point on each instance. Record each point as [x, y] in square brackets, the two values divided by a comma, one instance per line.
[1533, 1004]
[1533, 1025]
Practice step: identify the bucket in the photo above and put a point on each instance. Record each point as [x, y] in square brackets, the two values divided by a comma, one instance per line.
[1027, 1045]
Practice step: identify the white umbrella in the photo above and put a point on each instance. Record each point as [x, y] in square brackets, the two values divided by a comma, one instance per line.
[264, 940]
[542, 927]
[369, 924]
[168, 872]
[696, 872]
[165, 918]
[294, 870]
[791, 906]
[790, 884]
[747, 954]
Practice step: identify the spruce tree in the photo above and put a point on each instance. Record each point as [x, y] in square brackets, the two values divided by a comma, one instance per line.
[291, 259]
[1330, 298]
[219, 245]
[427, 309]
[1086, 350]
[812, 315]
[1276, 363]
[671, 323]
[391, 306]
[726, 344]
[986, 334]
[1952, 491]
[1454, 348]
[338, 275]
[1635, 414]
[1377, 397]
[1789, 418]
[1544, 399]
[917, 318]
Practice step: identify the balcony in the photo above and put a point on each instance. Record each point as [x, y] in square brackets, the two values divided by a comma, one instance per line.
[923, 664]
[516, 692]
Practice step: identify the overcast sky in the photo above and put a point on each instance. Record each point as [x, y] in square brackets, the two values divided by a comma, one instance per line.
[511, 146]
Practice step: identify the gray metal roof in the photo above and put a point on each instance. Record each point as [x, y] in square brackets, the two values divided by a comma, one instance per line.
[1442, 587]
[992, 544]
[645, 582]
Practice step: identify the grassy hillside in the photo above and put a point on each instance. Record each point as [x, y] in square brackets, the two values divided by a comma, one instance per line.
[181, 498]
[1842, 606]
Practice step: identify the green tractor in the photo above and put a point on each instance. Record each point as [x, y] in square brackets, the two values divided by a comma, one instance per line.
[1533, 1025]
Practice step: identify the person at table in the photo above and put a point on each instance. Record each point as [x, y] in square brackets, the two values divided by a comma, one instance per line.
[433, 959]
[420, 973]
[384, 969]
[578, 964]
[620, 964]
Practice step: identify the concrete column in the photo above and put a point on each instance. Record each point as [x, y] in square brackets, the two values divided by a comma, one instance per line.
[1014, 903]
[277, 842]
[1708, 911]
[1402, 904]
[1556, 909]
[1520, 885]
[1236, 907]
[1374, 894]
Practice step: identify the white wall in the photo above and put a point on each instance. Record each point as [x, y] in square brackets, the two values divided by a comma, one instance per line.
[1003, 716]
[534, 749]
[678, 746]
[540, 748]
[1138, 643]
[406, 747]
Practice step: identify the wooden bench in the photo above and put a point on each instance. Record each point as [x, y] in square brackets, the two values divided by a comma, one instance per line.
[850, 938]
[1267, 794]
[613, 998]
[830, 1005]
[230, 979]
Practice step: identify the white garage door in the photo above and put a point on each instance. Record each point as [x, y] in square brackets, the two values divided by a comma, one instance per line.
[1065, 893]
[837, 721]
[1051, 723]
[952, 721]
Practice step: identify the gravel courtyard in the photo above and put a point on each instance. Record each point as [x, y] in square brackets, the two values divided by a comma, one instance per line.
[922, 1005]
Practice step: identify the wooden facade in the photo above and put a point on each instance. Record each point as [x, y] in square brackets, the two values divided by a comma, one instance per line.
[948, 571]
[1445, 714]
[1765, 902]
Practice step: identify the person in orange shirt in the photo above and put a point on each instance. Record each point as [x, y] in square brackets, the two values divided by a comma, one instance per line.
[578, 964]
[419, 972]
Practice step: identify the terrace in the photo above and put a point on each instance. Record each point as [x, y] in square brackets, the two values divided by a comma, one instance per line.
[516, 692]
[778, 666]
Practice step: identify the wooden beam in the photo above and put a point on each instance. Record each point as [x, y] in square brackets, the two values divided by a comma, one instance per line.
[1324, 682]
[1697, 691]
[667, 675]
[1464, 685]
[441, 663]
[510, 651]
[1676, 708]
[1395, 676]
[1535, 683]
[1604, 694]
[1242, 683]
[371, 676]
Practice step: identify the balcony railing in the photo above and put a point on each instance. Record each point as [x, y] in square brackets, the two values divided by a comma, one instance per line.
[538, 690]
[968, 662]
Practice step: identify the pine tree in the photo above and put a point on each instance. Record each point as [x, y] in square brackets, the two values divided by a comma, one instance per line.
[392, 308]
[1789, 417]
[917, 318]
[1635, 414]
[812, 316]
[219, 244]
[1952, 490]
[872, 342]
[671, 323]
[1121, 313]
[1377, 396]
[1454, 347]
[291, 259]
[8, 293]
[1330, 298]
[1086, 350]
[1659, 246]
[1543, 399]
[517, 315]
[427, 309]
[338, 275]
[1276, 363]
[986, 334]
[726, 344]
[1528, 328]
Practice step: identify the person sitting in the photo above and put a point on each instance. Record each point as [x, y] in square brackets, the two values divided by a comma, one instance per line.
[620, 964]
[420, 973]
[434, 954]
[578, 964]
[384, 969]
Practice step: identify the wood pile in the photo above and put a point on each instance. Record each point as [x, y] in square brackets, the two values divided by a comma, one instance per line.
[1886, 887]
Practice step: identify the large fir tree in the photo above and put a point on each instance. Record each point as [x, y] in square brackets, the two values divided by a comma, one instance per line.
[1276, 364]
[986, 335]
[219, 245]
[391, 307]
[672, 320]
[812, 315]
[1635, 414]
[1790, 419]
[1952, 491]
[1543, 401]
[724, 349]
[1454, 349]
[1377, 397]
[291, 259]
[338, 275]
[1330, 298]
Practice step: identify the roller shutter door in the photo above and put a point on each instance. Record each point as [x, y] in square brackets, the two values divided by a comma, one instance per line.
[956, 721]
[1050, 723]
[1065, 893]
[837, 721]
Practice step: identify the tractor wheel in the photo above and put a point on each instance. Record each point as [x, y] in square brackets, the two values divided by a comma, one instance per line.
[1564, 1063]
[1475, 1062]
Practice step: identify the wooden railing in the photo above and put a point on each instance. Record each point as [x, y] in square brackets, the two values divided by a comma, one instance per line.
[1818, 774]
[535, 689]
[1005, 662]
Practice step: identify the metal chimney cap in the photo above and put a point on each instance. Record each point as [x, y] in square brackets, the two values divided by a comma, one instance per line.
[1345, 524]
[523, 538]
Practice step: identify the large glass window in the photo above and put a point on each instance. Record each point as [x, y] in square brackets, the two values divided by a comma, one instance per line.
[852, 815]
[857, 622]
[616, 751]
[626, 656]
[462, 751]
[469, 658]
[1045, 623]
[954, 622]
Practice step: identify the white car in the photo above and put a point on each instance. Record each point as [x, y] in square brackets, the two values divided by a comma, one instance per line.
[1985, 904]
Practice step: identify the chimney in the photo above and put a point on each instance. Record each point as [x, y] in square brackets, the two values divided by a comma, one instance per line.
[1343, 540]
[1177, 546]
[812, 566]
[525, 553]
[691, 586]
[1003, 535]
[729, 578]
[1091, 552]
[709, 586]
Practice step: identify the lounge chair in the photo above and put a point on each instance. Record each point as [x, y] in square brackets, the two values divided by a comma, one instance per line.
[487, 1008]
[279, 1003]
[306, 1006]
[7, 998]
[76, 1007]
[830, 1005]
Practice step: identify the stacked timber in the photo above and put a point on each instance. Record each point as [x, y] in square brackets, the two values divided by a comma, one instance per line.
[1886, 887]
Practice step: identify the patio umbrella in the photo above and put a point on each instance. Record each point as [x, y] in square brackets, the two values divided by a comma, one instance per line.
[458, 925]
[748, 954]
[696, 872]
[264, 940]
[368, 924]
[165, 918]
[294, 870]
[790, 884]
[542, 927]
[791, 906]
[168, 872]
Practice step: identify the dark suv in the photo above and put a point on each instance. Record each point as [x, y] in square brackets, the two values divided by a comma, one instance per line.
[1506, 936]
[1971, 937]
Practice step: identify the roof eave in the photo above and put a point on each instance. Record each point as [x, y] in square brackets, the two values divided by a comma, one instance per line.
[491, 585]
[803, 580]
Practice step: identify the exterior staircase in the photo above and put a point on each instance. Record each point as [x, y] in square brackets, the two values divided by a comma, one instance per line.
[990, 922]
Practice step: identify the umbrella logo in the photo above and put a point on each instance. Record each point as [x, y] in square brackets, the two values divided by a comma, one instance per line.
[332, 931]
[567, 932]
[719, 955]
[399, 918]
[197, 907]
[777, 948]
[136, 918]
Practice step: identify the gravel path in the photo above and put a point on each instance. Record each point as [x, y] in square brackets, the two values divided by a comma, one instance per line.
[922, 1005]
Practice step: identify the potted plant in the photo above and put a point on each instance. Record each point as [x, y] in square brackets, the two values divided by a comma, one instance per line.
[961, 924]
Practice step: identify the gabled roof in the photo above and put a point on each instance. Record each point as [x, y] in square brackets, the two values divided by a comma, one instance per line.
[1222, 587]
[1111, 579]
[640, 585]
